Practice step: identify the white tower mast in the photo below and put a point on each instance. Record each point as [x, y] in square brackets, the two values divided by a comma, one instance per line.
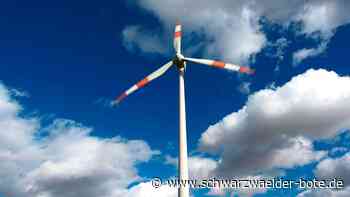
[183, 159]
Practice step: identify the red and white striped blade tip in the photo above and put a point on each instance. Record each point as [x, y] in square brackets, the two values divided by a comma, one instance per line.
[118, 100]
[247, 70]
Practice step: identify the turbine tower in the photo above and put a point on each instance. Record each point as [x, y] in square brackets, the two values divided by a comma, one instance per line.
[180, 62]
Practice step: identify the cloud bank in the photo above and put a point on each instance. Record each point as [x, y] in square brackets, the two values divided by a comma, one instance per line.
[275, 124]
[63, 159]
[233, 31]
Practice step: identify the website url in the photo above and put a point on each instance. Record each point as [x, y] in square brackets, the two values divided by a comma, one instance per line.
[251, 183]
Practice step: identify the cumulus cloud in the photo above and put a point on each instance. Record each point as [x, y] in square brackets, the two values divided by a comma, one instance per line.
[277, 123]
[235, 30]
[328, 169]
[335, 168]
[63, 159]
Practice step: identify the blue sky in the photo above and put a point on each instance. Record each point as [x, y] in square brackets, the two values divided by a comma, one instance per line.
[72, 58]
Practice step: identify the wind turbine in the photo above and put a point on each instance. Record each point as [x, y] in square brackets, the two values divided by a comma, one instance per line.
[180, 61]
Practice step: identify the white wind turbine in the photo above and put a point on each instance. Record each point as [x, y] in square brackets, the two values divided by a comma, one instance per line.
[180, 61]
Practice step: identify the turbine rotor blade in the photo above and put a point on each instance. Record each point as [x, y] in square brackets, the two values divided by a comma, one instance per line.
[177, 37]
[159, 72]
[220, 64]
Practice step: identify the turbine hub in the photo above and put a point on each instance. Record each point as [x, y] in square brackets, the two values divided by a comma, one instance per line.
[179, 61]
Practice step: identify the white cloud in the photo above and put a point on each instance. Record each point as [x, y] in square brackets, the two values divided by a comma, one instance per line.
[324, 16]
[236, 38]
[231, 29]
[286, 158]
[302, 54]
[328, 169]
[171, 160]
[331, 168]
[201, 168]
[65, 160]
[233, 33]
[320, 20]
[275, 124]
[135, 38]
